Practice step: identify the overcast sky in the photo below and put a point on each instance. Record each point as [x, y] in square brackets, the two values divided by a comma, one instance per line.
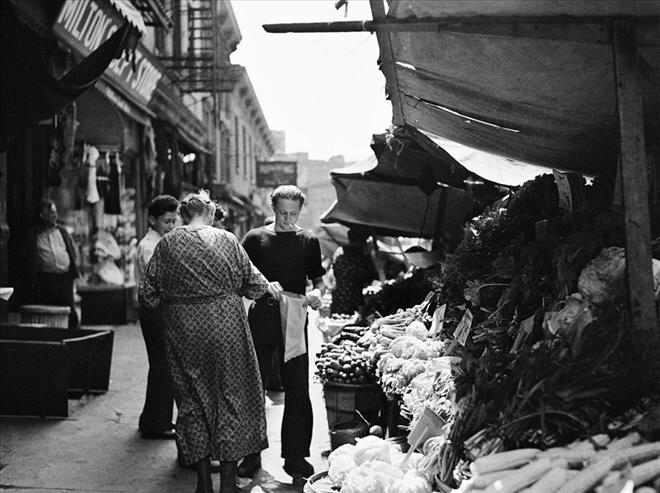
[324, 90]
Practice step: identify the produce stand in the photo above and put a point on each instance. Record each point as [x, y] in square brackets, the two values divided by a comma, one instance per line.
[543, 359]
[552, 383]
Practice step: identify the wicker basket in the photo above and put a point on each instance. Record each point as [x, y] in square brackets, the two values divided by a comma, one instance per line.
[49, 315]
[319, 483]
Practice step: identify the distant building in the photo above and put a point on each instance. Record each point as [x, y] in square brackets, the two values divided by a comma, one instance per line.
[279, 141]
[314, 180]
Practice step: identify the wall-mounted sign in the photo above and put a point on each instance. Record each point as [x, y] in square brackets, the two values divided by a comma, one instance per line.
[85, 24]
[271, 174]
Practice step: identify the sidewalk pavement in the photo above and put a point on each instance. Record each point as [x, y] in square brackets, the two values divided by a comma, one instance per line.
[98, 448]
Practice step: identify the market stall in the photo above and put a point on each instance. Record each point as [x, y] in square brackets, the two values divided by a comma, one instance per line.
[543, 336]
[524, 345]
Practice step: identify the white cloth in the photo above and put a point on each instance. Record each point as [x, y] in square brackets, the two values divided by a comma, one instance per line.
[293, 313]
[51, 250]
[145, 250]
[109, 272]
[105, 245]
[91, 192]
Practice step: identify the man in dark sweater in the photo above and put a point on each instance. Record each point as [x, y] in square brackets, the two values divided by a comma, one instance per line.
[285, 253]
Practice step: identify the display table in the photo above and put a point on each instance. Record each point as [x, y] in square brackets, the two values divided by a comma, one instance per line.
[42, 367]
[107, 304]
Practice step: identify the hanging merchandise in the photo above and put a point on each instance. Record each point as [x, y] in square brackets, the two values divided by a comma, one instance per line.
[91, 154]
[107, 252]
[149, 146]
[54, 161]
[112, 199]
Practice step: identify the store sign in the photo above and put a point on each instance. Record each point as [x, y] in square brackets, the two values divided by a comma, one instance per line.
[85, 24]
[271, 174]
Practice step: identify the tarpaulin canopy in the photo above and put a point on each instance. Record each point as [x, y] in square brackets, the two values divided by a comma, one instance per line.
[393, 209]
[410, 187]
[535, 85]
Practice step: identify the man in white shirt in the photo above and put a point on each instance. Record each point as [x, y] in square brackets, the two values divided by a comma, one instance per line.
[156, 417]
[52, 268]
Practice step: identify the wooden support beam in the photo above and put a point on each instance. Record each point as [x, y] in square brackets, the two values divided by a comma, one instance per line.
[591, 30]
[635, 191]
[387, 63]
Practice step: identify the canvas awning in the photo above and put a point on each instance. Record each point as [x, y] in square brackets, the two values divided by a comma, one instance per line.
[394, 209]
[530, 81]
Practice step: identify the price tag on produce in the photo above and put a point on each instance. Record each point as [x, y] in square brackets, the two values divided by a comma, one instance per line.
[429, 425]
[563, 190]
[438, 320]
[524, 330]
[463, 328]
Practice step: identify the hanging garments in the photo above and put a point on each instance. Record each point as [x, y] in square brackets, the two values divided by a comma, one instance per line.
[112, 200]
[91, 155]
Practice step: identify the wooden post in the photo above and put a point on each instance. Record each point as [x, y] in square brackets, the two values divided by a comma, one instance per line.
[635, 192]
[387, 62]
[4, 226]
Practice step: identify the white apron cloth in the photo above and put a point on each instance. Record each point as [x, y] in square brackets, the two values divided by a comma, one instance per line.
[293, 312]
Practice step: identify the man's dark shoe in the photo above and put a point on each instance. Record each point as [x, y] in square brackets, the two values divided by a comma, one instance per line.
[249, 466]
[159, 435]
[298, 468]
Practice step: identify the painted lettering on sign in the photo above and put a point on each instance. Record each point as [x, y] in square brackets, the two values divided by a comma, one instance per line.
[86, 24]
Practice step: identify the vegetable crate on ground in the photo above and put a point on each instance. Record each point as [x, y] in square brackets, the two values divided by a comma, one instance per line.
[343, 400]
[41, 367]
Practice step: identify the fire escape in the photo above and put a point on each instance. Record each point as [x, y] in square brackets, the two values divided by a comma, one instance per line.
[202, 68]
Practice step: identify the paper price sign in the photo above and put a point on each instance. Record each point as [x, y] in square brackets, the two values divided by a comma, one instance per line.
[429, 425]
[563, 190]
[527, 325]
[463, 328]
[524, 330]
[438, 320]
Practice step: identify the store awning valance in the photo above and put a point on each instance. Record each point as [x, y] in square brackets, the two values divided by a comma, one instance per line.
[33, 85]
[532, 87]
[130, 13]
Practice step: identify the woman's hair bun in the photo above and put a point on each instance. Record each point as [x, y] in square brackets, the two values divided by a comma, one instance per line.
[197, 204]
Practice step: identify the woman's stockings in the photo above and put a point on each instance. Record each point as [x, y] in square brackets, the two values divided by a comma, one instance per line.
[228, 477]
[204, 482]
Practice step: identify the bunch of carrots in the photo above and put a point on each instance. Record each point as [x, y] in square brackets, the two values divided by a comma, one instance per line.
[597, 464]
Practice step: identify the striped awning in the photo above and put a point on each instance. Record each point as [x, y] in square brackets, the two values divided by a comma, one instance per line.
[130, 13]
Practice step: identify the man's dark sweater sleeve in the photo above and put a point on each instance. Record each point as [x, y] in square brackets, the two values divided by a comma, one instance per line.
[249, 244]
[314, 267]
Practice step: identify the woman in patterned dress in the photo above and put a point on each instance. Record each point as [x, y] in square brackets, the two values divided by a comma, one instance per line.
[197, 275]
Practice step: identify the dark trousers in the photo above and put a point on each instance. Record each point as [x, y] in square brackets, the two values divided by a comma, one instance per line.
[158, 404]
[57, 289]
[298, 420]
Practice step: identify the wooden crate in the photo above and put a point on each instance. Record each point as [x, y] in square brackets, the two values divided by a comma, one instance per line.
[42, 367]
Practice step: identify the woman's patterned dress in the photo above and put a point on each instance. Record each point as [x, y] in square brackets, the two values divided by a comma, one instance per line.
[197, 275]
